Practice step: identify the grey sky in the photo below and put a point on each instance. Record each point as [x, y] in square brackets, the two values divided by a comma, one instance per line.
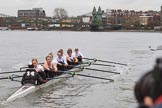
[77, 7]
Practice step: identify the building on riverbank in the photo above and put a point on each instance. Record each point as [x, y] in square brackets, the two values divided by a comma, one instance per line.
[131, 19]
[97, 20]
[111, 19]
[33, 13]
[161, 15]
[145, 20]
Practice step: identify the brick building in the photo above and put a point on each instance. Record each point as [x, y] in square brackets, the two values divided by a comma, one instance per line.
[129, 19]
[34, 13]
[145, 20]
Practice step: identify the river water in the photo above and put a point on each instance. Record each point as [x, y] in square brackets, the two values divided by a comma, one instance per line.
[17, 48]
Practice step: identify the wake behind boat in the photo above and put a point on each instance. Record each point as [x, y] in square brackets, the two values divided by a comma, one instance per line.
[155, 49]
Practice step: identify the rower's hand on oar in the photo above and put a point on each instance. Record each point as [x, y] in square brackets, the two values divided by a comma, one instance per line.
[56, 70]
[66, 65]
[44, 81]
[59, 64]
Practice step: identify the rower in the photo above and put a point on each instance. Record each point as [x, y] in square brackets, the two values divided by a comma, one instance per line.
[32, 77]
[78, 55]
[71, 59]
[38, 68]
[49, 67]
[61, 61]
[51, 54]
[62, 54]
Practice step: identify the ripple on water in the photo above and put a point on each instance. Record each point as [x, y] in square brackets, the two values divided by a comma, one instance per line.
[63, 95]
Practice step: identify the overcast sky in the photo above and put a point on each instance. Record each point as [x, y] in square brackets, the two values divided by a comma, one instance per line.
[77, 7]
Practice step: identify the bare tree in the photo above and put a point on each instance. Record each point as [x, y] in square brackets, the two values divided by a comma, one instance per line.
[60, 13]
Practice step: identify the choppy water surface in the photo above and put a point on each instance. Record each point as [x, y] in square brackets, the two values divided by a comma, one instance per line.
[17, 48]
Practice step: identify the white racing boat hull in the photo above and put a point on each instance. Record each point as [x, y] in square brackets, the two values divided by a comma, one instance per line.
[29, 88]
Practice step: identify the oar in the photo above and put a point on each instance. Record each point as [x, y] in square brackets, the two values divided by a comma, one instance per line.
[10, 77]
[59, 71]
[11, 72]
[23, 68]
[105, 61]
[101, 70]
[73, 74]
[58, 78]
[103, 65]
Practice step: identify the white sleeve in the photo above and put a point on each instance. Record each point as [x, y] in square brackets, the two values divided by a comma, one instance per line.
[65, 60]
[73, 54]
[81, 54]
[40, 67]
[55, 61]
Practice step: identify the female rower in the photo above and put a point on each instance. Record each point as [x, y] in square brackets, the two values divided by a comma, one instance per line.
[61, 61]
[34, 75]
[51, 54]
[78, 55]
[62, 54]
[71, 59]
[49, 67]
[148, 90]
[38, 68]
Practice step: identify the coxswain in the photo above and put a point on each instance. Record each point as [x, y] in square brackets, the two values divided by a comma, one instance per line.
[32, 77]
[49, 67]
[71, 59]
[61, 62]
[78, 55]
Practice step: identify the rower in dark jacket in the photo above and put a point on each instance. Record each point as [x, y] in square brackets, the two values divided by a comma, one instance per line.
[32, 77]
